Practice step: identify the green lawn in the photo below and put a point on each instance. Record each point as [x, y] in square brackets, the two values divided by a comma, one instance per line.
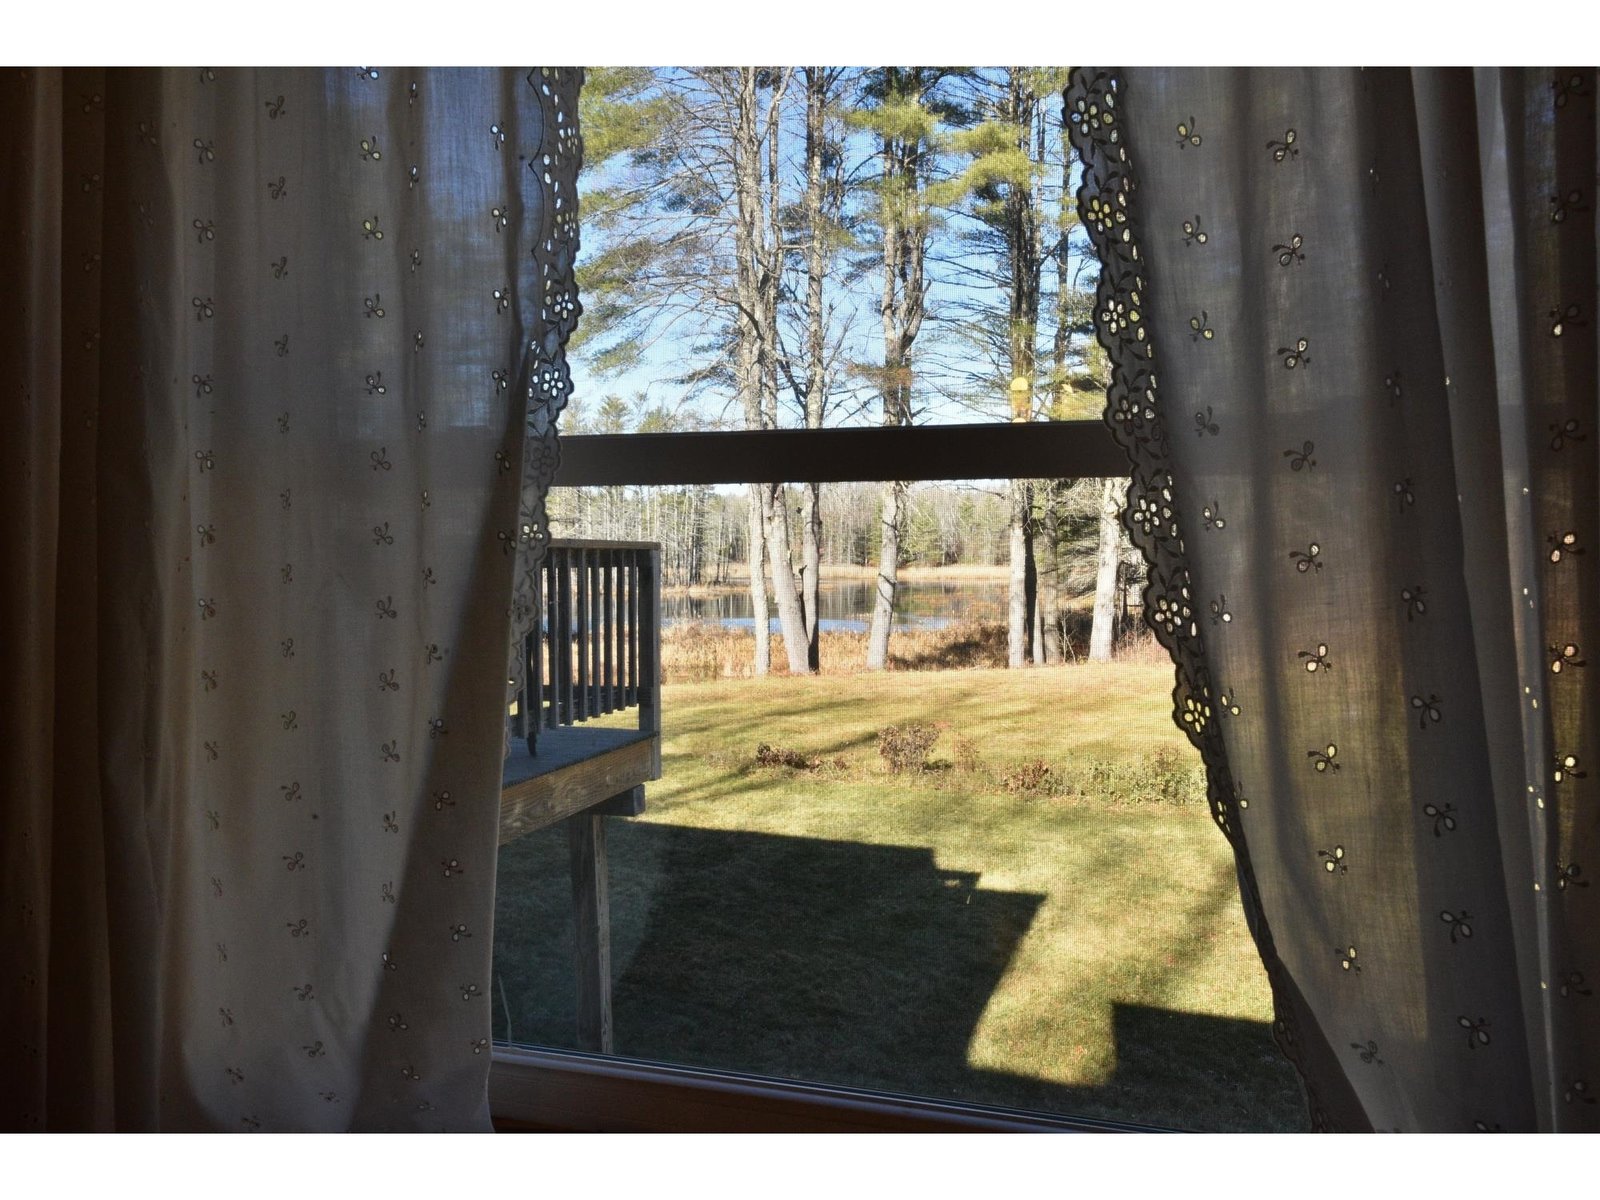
[1075, 948]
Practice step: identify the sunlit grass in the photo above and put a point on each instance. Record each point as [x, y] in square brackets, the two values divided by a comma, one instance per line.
[929, 932]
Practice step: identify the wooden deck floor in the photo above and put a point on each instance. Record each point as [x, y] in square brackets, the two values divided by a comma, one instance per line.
[575, 769]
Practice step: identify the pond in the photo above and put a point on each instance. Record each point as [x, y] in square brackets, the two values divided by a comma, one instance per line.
[847, 605]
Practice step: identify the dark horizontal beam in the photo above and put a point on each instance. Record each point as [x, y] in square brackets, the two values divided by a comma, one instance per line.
[1037, 450]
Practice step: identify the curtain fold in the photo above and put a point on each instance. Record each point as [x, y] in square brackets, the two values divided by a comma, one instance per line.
[1366, 484]
[285, 369]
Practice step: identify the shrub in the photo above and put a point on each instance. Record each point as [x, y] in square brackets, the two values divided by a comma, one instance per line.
[966, 752]
[1166, 776]
[1031, 777]
[905, 747]
[780, 756]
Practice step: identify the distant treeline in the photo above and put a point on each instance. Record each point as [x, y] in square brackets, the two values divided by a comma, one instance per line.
[704, 532]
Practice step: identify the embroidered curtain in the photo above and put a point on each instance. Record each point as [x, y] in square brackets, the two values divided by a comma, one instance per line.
[1367, 487]
[282, 360]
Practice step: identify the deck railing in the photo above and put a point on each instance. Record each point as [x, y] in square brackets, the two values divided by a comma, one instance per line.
[597, 647]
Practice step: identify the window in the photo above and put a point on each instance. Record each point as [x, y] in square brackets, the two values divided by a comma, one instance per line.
[921, 898]
[716, 923]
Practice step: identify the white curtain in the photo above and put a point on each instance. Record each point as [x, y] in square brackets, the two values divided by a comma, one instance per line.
[1367, 485]
[282, 366]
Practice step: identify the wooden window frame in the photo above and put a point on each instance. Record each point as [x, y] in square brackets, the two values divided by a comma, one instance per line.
[546, 1090]
[996, 450]
[535, 1090]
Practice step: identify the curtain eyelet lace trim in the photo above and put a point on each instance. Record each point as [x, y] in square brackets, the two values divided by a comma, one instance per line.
[546, 379]
[1106, 205]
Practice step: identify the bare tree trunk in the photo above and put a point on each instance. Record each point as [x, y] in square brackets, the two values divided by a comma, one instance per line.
[1035, 594]
[790, 617]
[756, 553]
[776, 505]
[819, 81]
[1036, 628]
[902, 308]
[1022, 249]
[747, 354]
[697, 536]
[723, 546]
[1102, 633]
[1017, 629]
[892, 511]
[1056, 641]
[1038, 631]
[1048, 556]
[811, 570]
[758, 252]
[893, 515]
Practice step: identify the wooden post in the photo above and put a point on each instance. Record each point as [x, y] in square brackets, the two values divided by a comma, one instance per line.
[591, 910]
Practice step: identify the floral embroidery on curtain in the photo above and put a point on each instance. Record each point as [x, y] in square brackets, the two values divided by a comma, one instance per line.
[1371, 297]
[1105, 193]
[322, 351]
[413, 209]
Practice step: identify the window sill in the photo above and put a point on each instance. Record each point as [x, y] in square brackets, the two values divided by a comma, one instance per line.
[561, 1091]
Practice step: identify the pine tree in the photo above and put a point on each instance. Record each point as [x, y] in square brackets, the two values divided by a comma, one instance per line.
[908, 111]
[1012, 152]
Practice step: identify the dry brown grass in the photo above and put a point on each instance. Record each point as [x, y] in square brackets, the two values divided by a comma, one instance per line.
[702, 651]
[1139, 645]
[695, 653]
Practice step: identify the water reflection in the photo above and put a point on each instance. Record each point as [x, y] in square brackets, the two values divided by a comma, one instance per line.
[847, 605]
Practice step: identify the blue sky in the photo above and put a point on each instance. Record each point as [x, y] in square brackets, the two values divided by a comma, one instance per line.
[940, 363]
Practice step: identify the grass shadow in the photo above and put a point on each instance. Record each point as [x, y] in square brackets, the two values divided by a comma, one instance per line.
[844, 962]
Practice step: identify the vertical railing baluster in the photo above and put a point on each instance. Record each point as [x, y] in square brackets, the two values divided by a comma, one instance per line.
[519, 723]
[593, 643]
[596, 646]
[594, 633]
[608, 701]
[552, 672]
[622, 629]
[533, 666]
[583, 635]
[574, 649]
[633, 627]
[568, 710]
